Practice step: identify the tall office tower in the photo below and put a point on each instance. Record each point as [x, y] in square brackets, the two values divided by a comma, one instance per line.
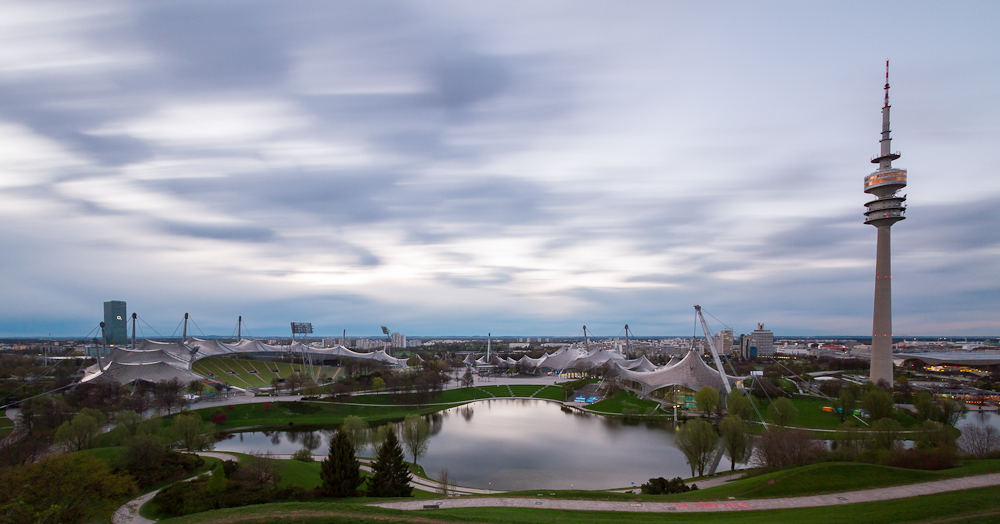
[882, 213]
[724, 341]
[763, 340]
[115, 323]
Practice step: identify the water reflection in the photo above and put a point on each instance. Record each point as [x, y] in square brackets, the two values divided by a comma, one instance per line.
[522, 444]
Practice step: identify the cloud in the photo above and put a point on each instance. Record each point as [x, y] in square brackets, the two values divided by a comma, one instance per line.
[449, 167]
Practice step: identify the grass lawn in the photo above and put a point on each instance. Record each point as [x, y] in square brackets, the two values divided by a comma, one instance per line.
[624, 402]
[449, 396]
[811, 415]
[524, 390]
[552, 393]
[284, 414]
[6, 424]
[963, 507]
[497, 391]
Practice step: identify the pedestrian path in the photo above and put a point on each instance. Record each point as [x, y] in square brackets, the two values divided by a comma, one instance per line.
[833, 499]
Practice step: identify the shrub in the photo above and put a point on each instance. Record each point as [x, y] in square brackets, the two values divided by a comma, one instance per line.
[303, 455]
[927, 459]
[662, 486]
[267, 406]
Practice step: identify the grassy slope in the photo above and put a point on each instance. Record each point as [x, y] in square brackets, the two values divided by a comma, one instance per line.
[247, 415]
[6, 424]
[624, 400]
[525, 390]
[551, 393]
[497, 391]
[977, 505]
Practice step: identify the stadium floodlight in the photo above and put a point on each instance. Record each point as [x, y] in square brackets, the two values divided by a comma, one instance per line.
[302, 328]
[385, 330]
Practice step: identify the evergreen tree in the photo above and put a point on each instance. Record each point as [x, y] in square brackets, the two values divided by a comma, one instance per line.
[340, 471]
[390, 476]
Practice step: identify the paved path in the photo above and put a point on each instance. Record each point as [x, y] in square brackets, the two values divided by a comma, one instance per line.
[128, 513]
[834, 499]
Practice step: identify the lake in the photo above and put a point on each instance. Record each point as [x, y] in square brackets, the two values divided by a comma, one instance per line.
[520, 444]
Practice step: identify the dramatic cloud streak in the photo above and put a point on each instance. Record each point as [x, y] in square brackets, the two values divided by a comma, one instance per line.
[446, 167]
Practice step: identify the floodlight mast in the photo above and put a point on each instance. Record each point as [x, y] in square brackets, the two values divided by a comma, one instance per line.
[715, 354]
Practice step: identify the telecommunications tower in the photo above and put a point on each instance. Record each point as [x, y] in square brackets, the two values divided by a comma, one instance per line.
[883, 212]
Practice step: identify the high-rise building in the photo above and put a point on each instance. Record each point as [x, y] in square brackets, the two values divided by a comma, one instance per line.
[115, 323]
[763, 340]
[398, 340]
[724, 341]
[882, 213]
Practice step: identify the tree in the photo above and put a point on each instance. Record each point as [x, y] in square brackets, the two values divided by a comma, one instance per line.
[340, 471]
[356, 430]
[778, 448]
[260, 470]
[782, 412]
[444, 482]
[378, 384]
[738, 404]
[850, 441]
[885, 433]
[697, 440]
[390, 476]
[734, 440]
[79, 433]
[143, 452]
[196, 387]
[217, 483]
[62, 488]
[980, 441]
[952, 410]
[168, 394]
[706, 399]
[192, 433]
[416, 433]
[927, 409]
[468, 379]
[845, 403]
[878, 403]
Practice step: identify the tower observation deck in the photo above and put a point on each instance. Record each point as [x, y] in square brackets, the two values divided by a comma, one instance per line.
[883, 212]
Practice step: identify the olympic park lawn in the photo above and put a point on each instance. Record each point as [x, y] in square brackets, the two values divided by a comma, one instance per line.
[967, 506]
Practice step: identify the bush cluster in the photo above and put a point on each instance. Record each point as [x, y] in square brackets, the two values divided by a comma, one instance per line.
[662, 486]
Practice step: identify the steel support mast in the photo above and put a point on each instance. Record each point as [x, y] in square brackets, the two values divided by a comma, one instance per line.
[715, 354]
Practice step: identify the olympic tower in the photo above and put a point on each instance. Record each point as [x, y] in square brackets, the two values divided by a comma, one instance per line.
[883, 212]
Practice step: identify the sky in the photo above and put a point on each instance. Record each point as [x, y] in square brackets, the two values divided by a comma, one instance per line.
[514, 168]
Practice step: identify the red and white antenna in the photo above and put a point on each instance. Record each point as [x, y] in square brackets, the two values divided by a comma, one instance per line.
[887, 83]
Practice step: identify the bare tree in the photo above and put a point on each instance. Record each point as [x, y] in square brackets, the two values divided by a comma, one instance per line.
[260, 470]
[979, 440]
[445, 483]
[780, 448]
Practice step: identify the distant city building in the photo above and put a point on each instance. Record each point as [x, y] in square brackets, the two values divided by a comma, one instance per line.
[763, 340]
[515, 345]
[398, 340]
[745, 344]
[115, 323]
[724, 341]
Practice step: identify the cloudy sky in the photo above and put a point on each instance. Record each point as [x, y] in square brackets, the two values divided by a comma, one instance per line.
[520, 168]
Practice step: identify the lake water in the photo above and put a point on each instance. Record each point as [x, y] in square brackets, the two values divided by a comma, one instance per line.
[520, 444]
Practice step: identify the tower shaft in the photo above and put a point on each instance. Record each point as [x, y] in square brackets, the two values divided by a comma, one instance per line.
[881, 365]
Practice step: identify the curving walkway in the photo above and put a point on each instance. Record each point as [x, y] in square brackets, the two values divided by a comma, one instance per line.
[833, 499]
